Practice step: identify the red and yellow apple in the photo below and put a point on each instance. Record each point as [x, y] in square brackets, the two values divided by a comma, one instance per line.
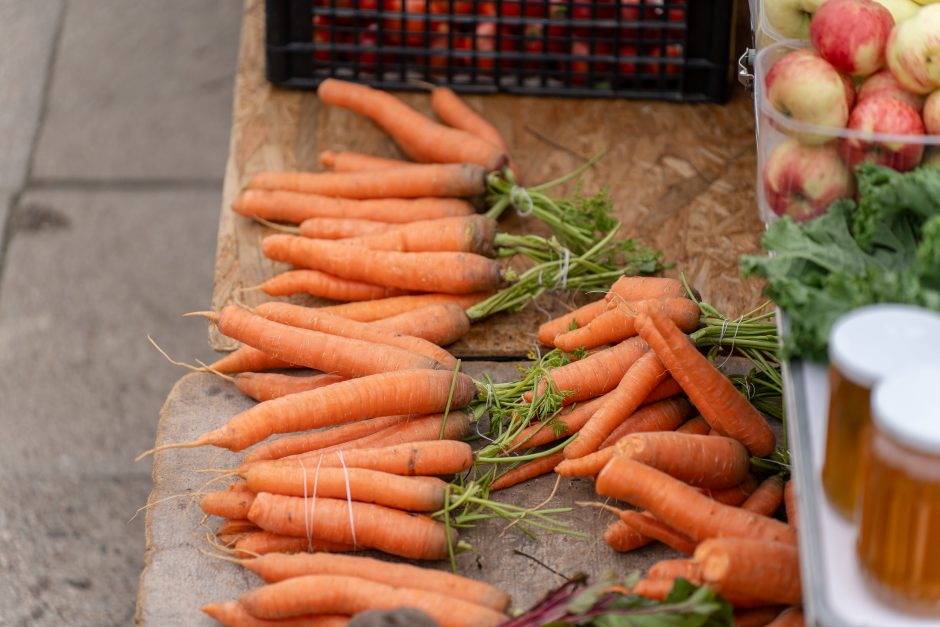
[913, 51]
[883, 83]
[801, 181]
[900, 9]
[932, 113]
[790, 18]
[883, 114]
[852, 34]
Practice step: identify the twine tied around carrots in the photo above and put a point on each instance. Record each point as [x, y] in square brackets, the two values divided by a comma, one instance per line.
[519, 196]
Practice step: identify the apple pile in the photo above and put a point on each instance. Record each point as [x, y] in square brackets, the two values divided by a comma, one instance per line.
[864, 73]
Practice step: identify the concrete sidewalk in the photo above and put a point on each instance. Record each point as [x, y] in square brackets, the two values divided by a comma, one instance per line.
[115, 116]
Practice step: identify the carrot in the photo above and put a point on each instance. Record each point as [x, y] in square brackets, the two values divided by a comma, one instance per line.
[341, 228]
[666, 389]
[716, 398]
[295, 207]
[263, 386]
[227, 503]
[756, 616]
[578, 318]
[617, 323]
[377, 309]
[699, 460]
[597, 373]
[273, 568]
[634, 288]
[528, 470]
[232, 614]
[790, 617]
[360, 524]
[325, 322]
[622, 538]
[248, 359]
[650, 527]
[345, 356]
[441, 323]
[670, 569]
[349, 161]
[736, 495]
[236, 526]
[568, 421]
[680, 506]
[469, 234]
[453, 111]
[657, 589]
[639, 380]
[696, 426]
[324, 285]
[358, 484]
[264, 542]
[402, 392]
[755, 568]
[429, 457]
[664, 415]
[352, 595]
[767, 498]
[417, 135]
[293, 444]
[789, 500]
[453, 180]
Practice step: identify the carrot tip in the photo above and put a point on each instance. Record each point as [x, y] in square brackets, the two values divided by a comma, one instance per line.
[208, 368]
[170, 359]
[163, 447]
[211, 315]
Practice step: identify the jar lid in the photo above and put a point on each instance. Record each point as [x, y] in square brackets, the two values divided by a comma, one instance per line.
[872, 342]
[906, 406]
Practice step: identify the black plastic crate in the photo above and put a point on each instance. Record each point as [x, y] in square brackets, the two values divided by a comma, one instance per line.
[668, 50]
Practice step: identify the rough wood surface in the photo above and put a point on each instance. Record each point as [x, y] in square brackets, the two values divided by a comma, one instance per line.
[681, 176]
[179, 578]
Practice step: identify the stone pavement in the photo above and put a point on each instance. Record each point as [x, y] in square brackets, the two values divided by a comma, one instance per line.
[115, 117]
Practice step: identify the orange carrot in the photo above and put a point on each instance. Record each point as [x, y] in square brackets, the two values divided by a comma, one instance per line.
[650, 527]
[352, 595]
[657, 589]
[639, 380]
[360, 524]
[699, 460]
[417, 135]
[325, 322]
[358, 484]
[789, 500]
[682, 507]
[568, 421]
[749, 567]
[236, 526]
[291, 445]
[402, 392]
[248, 359]
[713, 394]
[469, 234]
[736, 495]
[597, 373]
[790, 617]
[324, 285]
[696, 426]
[453, 180]
[264, 542]
[579, 318]
[349, 161]
[526, 471]
[232, 614]
[767, 498]
[425, 458]
[341, 228]
[670, 569]
[756, 616]
[453, 111]
[664, 415]
[263, 386]
[622, 538]
[321, 351]
[441, 323]
[450, 273]
[617, 323]
[227, 503]
[273, 568]
[377, 309]
[295, 207]
[634, 288]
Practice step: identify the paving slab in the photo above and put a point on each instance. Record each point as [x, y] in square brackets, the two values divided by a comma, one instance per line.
[141, 90]
[28, 31]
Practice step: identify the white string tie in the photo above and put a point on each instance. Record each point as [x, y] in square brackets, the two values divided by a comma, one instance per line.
[352, 523]
[565, 266]
[519, 196]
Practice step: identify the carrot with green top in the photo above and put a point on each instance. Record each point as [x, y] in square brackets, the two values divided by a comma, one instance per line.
[351, 161]
[527, 470]
[618, 322]
[713, 394]
[264, 386]
[455, 112]
[577, 318]
[423, 458]
[418, 136]
[760, 569]
[700, 460]
[341, 228]
[441, 323]
[295, 207]
[232, 614]
[637, 383]
[291, 445]
[634, 288]
[568, 421]
[387, 307]
[470, 234]
[325, 285]
[446, 272]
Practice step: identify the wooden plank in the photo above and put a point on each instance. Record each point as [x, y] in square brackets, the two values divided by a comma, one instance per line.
[179, 576]
[681, 177]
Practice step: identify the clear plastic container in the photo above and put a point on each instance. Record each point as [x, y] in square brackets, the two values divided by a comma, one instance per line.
[801, 167]
[866, 346]
[780, 20]
[899, 530]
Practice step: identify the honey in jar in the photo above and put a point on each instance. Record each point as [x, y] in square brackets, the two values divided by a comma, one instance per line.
[899, 523]
[864, 346]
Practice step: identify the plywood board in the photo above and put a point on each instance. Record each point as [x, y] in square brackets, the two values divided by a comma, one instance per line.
[681, 177]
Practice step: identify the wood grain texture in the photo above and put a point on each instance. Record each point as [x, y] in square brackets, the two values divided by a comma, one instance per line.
[681, 176]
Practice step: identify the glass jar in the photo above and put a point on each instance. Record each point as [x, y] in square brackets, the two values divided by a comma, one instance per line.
[899, 525]
[864, 346]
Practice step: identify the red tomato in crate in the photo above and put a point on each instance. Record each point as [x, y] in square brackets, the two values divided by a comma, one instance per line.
[413, 22]
[461, 7]
[581, 68]
[625, 67]
[321, 38]
[673, 51]
[486, 42]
